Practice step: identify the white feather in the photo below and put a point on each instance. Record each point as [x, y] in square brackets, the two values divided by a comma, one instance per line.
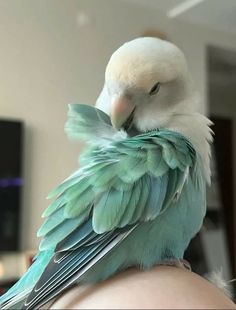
[216, 278]
[134, 68]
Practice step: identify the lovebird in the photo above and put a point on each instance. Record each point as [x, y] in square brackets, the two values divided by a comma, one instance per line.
[139, 195]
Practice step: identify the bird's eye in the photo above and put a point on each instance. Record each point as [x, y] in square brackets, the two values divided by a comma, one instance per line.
[154, 89]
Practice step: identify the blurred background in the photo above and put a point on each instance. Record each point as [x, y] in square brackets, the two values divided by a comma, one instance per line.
[54, 52]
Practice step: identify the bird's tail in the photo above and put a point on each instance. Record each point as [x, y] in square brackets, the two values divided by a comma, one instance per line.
[16, 295]
[16, 302]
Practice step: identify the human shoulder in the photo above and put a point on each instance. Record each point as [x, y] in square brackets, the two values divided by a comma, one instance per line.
[162, 287]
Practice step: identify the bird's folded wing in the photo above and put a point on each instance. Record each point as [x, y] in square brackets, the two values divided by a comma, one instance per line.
[129, 181]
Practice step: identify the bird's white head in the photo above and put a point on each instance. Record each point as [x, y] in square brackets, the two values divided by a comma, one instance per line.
[148, 86]
[146, 83]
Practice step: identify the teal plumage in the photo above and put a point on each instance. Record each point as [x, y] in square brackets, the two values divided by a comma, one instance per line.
[134, 201]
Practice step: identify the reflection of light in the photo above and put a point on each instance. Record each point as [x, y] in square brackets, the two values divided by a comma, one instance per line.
[183, 7]
[1, 270]
[7, 182]
[83, 19]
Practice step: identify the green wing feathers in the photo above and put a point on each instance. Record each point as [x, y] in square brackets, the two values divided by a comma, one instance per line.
[127, 181]
[86, 122]
[123, 181]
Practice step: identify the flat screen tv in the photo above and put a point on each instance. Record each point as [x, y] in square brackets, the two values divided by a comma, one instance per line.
[11, 134]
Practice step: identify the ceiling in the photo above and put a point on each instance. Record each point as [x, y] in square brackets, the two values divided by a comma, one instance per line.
[216, 14]
[160, 5]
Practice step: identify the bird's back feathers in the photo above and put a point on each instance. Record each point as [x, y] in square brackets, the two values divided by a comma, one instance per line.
[121, 185]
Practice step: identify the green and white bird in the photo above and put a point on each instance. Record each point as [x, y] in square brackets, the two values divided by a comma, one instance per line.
[139, 195]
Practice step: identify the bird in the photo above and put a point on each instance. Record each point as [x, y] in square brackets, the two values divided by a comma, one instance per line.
[139, 195]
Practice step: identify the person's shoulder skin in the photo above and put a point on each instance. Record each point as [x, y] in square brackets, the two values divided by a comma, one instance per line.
[162, 287]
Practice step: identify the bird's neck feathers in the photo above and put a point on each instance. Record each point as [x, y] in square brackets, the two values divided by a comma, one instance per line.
[196, 128]
[185, 119]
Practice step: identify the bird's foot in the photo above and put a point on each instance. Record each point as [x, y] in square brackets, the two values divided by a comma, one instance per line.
[180, 263]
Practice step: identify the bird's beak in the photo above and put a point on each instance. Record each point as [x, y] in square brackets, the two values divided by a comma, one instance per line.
[121, 110]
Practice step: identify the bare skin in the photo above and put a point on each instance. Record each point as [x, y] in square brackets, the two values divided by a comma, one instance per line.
[162, 287]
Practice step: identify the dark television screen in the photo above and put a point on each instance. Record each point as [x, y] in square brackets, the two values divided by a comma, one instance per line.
[10, 183]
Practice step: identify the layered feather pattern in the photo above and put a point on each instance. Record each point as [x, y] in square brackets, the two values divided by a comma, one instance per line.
[124, 187]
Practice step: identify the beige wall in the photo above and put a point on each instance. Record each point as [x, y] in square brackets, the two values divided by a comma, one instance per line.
[47, 61]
